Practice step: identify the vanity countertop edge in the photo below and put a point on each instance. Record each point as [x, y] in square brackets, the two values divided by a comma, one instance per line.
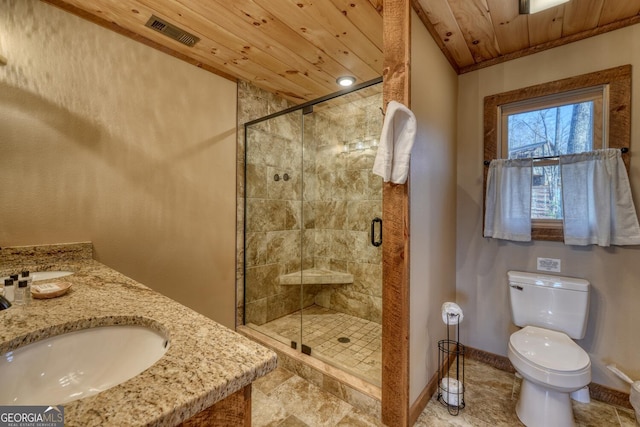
[205, 362]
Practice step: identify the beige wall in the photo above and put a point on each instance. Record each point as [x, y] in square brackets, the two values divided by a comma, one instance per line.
[482, 264]
[432, 203]
[107, 140]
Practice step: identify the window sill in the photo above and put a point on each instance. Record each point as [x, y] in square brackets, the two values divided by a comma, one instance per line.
[554, 234]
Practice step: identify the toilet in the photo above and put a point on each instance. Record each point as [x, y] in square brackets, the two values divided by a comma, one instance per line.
[552, 311]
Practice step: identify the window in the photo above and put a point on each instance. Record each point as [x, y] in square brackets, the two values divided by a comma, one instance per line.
[567, 116]
[544, 127]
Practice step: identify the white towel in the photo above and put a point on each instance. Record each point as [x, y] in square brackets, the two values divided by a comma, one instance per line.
[451, 313]
[396, 141]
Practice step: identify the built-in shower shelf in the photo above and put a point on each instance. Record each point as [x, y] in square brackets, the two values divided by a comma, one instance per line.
[316, 276]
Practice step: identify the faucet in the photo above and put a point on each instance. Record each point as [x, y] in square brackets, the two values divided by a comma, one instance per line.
[4, 303]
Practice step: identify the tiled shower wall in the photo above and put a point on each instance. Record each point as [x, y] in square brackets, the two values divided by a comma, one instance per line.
[340, 198]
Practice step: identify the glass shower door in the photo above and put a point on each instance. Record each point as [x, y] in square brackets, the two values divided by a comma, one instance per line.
[313, 273]
[273, 227]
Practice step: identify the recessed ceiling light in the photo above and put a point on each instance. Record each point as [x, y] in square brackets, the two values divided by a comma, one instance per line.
[346, 81]
[534, 6]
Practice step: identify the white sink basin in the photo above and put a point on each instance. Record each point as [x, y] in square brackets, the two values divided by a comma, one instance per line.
[49, 275]
[77, 364]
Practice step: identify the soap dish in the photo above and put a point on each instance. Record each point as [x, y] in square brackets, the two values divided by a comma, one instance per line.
[50, 290]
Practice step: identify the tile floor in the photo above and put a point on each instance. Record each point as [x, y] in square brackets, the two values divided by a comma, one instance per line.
[347, 342]
[286, 400]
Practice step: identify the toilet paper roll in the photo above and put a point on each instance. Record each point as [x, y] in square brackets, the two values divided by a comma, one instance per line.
[451, 313]
[452, 391]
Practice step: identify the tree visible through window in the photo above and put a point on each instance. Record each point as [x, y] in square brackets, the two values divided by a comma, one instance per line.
[547, 127]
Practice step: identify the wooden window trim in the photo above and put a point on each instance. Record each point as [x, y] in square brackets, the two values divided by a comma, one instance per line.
[619, 121]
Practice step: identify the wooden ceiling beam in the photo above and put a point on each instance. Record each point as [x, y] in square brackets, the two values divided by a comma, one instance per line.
[395, 213]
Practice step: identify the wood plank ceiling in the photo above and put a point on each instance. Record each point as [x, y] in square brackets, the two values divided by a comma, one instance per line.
[478, 33]
[298, 48]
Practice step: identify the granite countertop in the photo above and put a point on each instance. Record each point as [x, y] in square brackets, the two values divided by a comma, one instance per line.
[205, 362]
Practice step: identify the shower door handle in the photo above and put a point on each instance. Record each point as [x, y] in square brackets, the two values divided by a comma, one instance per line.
[374, 241]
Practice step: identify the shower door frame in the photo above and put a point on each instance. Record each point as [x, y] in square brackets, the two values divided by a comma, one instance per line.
[305, 109]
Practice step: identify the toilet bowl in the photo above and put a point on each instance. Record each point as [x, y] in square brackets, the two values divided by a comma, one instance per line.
[552, 311]
[552, 366]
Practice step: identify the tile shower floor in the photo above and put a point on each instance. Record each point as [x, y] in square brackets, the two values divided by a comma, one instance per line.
[347, 342]
[283, 399]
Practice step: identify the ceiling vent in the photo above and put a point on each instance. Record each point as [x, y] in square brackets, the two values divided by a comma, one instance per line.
[170, 30]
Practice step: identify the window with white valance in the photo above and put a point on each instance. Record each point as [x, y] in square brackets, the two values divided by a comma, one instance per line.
[533, 137]
[597, 205]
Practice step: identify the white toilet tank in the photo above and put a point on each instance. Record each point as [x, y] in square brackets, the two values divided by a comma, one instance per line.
[552, 302]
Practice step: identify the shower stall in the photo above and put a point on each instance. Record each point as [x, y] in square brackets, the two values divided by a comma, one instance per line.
[312, 229]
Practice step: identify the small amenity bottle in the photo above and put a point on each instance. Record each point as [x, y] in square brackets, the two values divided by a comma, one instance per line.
[26, 276]
[20, 292]
[9, 292]
[27, 293]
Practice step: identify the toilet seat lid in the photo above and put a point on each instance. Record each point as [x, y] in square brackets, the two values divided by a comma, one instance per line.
[549, 349]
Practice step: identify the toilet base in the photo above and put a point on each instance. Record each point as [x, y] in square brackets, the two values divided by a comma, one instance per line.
[542, 407]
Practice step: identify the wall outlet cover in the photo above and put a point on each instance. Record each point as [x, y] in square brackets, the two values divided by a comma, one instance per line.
[549, 264]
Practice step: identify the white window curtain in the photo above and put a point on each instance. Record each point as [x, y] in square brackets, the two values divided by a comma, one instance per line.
[598, 208]
[508, 200]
